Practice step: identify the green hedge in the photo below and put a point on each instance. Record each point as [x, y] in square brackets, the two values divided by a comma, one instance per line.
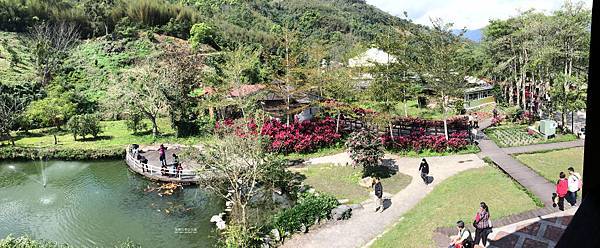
[30, 153]
[309, 208]
[27, 242]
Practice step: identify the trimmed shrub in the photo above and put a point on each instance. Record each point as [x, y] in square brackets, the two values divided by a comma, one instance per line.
[82, 125]
[418, 141]
[307, 210]
[299, 136]
[29, 153]
[366, 149]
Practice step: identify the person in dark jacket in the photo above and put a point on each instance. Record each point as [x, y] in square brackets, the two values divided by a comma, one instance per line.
[424, 169]
[378, 194]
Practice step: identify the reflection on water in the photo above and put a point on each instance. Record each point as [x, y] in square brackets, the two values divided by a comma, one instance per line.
[100, 204]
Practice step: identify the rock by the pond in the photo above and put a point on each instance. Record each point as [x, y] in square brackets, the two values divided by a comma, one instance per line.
[356, 206]
[366, 182]
[218, 220]
[341, 212]
[303, 228]
[275, 235]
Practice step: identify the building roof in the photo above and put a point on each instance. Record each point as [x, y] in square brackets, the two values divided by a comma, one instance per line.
[371, 57]
[476, 84]
[479, 88]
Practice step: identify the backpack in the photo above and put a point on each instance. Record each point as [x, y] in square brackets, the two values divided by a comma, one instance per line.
[468, 243]
[579, 181]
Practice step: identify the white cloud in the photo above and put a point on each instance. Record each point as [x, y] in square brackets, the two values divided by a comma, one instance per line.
[472, 14]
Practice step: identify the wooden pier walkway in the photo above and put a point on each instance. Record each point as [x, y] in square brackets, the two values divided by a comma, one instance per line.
[152, 170]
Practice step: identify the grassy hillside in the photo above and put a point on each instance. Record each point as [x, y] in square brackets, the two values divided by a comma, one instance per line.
[15, 59]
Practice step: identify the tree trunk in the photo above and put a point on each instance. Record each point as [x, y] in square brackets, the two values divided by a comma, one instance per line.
[405, 108]
[154, 126]
[337, 123]
[55, 139]
[572, 121]
[445, 115]
[211, 113]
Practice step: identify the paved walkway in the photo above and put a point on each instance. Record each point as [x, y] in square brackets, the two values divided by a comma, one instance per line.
[544, 231]
[366, 225]
[518, 171]
[544, 147]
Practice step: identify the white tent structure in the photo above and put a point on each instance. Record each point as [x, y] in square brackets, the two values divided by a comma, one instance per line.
[371, 57]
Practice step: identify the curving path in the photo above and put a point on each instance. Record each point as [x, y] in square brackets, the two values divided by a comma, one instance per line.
[366, 225]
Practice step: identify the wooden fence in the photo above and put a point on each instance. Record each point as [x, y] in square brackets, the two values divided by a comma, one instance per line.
[351, 125]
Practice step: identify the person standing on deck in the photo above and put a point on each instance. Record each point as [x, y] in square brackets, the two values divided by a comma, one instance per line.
[162, 150]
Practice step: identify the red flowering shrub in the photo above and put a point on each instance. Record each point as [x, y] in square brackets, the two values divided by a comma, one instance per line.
[365, 150]
[240, 127]
[497, 120]
[418, 141]
[299, 136]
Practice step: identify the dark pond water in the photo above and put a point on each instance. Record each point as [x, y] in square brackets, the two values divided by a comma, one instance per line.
[100, 204]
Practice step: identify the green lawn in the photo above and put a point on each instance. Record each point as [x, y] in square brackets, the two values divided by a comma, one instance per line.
[550, 164]
[114, 134]
[342, 181]
[457, 198]
[516, 135]
[319, 153]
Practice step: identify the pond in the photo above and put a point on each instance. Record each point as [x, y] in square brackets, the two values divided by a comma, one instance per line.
[100, 203]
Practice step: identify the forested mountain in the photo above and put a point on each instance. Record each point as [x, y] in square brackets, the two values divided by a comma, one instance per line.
[72, 52]
[334, 23]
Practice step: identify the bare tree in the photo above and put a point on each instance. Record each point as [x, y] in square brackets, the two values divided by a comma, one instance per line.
[139, 90]
[11, 108]
[232, 169]
[50, 43]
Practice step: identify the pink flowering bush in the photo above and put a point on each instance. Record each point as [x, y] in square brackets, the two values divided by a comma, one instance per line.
[418, 141]
[497, 120]
[300, 136]
[240, 127]
[365, 149]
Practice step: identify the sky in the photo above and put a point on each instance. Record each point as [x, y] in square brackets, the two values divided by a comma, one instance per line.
[472, 14]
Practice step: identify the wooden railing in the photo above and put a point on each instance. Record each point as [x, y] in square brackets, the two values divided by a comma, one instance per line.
[151, 170]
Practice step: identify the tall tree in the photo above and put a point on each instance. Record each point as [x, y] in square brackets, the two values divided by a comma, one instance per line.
[438, 64]
[140, 90]
[11, 107]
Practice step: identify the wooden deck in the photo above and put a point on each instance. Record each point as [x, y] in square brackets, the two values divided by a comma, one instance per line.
[188, 174]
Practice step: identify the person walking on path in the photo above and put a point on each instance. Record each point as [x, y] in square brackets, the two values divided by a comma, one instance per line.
[574, 186]
[473, 135]
[424, 169]
[482, 224]
[463, 238]
[378, 188]
[162, 150]
[495, 112]
[562, 187]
